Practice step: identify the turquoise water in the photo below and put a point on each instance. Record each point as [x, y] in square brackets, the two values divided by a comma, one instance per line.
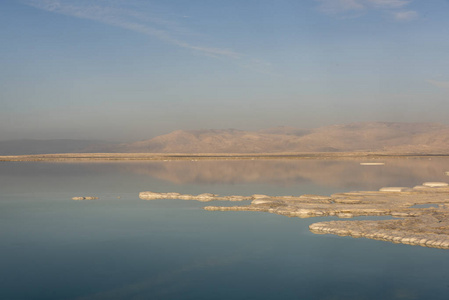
[121, 247]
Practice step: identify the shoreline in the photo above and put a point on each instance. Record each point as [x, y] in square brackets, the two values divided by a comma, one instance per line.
[211, 156]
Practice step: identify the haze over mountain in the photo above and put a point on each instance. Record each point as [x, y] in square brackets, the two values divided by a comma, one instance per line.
[373, 136]
[368, 136]
[31, 146]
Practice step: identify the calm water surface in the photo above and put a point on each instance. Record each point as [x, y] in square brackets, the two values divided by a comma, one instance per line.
[121, 247]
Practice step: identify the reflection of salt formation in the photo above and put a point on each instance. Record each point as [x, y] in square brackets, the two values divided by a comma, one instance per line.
[417, 226]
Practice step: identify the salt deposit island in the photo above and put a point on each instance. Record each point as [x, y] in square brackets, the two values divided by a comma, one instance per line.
[420, 214]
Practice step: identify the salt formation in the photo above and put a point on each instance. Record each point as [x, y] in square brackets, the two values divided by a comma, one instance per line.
[424, 226]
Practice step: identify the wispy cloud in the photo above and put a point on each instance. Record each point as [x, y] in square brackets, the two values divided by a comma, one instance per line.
[388, 3]
[358, 7]
[339, 6]
[105, 12]
[439, 84]
[406, 15]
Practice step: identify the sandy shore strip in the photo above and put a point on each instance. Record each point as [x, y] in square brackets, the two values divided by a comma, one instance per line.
[212, 156]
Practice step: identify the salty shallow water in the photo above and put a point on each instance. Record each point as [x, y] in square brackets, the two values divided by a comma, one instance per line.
[121, 247]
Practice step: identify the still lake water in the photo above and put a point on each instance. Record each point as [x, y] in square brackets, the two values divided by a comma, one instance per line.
[121, 247]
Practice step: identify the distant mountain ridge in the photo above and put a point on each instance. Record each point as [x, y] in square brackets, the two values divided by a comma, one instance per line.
[364, 136]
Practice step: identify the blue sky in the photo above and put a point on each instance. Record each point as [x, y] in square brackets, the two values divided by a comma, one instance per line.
[132, 69]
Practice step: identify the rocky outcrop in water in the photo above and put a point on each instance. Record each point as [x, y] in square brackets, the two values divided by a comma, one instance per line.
[201, 197]
[426, 229]
[85, 198]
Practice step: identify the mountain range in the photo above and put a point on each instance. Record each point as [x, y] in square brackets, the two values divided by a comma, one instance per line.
[364, 136]
[373, 136]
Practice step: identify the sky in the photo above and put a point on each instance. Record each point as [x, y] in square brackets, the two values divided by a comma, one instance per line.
[127, 70]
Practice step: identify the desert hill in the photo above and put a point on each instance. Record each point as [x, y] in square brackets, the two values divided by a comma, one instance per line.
[374, 136]
[368, 136]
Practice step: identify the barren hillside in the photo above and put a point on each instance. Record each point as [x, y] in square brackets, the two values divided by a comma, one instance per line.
[426, 138]
[375, 136]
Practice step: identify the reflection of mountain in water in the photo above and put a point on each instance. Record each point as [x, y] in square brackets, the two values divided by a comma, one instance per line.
[341, 173]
